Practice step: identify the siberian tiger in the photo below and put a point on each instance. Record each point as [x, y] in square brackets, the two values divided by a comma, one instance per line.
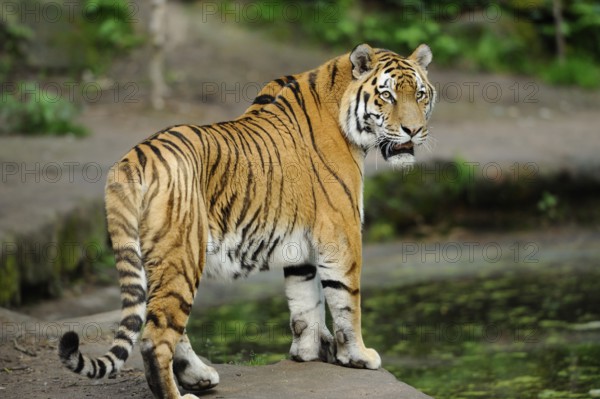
[232, 198]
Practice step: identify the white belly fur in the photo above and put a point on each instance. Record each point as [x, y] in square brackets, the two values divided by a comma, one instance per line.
[230, 258]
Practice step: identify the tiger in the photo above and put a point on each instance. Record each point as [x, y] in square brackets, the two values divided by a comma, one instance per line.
[281, 187]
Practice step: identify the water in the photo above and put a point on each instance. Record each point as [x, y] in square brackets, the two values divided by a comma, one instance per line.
[506, 334]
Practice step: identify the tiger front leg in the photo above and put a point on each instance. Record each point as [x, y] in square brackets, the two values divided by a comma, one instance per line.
[341, 285]
[311, 338]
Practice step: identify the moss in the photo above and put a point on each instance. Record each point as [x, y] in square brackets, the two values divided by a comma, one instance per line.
[9, 279]
[66, 250]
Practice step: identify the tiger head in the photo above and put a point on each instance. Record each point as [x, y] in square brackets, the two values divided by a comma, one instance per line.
[388, 102]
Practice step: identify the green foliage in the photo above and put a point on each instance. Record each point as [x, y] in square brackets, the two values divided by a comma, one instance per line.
[573, 71]
[14, 38]
[512, 36]
[103, 32]
[548, 205]
[90, 33]
[381, 232]
[31, 111]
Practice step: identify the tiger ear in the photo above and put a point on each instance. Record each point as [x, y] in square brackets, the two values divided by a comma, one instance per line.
[362, 60]
[422, 56]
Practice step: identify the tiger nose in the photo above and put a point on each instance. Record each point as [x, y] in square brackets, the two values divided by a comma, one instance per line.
[411, 131]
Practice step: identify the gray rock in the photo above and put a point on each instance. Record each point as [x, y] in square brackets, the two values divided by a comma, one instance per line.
[288, 379]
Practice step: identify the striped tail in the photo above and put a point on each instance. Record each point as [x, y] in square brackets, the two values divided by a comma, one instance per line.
[123, 207]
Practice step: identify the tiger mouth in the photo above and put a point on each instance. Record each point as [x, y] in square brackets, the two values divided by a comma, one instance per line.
[390, 149]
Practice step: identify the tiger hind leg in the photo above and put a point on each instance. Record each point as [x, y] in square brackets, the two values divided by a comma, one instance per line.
[158, 346]
[172, 283]
[191, 372]
[311, 340]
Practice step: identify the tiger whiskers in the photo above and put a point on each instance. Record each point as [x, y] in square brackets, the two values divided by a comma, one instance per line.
[430, 142]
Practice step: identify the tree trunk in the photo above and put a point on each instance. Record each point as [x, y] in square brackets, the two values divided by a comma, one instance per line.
[158, 28]
[558, 32]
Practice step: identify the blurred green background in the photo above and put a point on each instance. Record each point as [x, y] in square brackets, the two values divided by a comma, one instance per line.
[524, 324]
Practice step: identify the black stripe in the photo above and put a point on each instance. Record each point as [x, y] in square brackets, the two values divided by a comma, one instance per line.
[112, 363]
[333, 72]
[246, 201]
[92, 374]
[174, 149]
[136, 291]
[273, 246]
[366, 97]
[157, 152]
[141, 156]
[118, 225]
[184, 305]
[312, 81]
[250, 224]
[189, 145]
[352, 269]
[152, 317]
[289, 106]
[264, 99]
[120, 352]
[127, 273]
[101, 368]
[124, 196]
[80, 364]
[307, 271]
[180, 329]
[126, 167]
[153, 371]
[132, 322]
[258, 250]
[338, 285]
[122, 335]
[325, 191]
[358, 125]
[128, 254]
[226, 211]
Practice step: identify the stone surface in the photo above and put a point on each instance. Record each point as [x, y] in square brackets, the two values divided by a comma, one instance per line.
[31, 368]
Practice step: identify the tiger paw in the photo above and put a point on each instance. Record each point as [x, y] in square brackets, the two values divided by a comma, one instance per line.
[364, 359]
[189, 396]
[195, 376]
[314, 346]
[327, 349]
